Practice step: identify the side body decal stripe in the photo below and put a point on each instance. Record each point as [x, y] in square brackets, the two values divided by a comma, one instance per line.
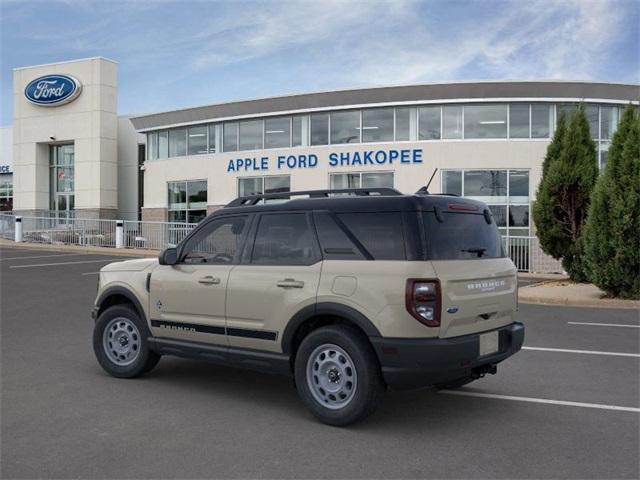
[216, 330]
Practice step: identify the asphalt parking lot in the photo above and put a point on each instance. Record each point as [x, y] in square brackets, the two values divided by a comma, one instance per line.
[567, 406]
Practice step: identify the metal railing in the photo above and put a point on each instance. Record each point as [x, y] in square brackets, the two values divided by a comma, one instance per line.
[526, 254]
[7, 226]
[154, 235]
[69, 231]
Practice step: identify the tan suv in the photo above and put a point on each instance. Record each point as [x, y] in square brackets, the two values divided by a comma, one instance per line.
[348, 291]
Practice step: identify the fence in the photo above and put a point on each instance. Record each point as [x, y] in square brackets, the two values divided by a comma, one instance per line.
[154, 235]
[7, 226]
[525, 252]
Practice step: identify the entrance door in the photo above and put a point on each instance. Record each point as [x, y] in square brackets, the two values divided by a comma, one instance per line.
[62, 181]
[187, 300]
[281, 278]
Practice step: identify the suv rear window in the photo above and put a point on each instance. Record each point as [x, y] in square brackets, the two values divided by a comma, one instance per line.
[461, 236]
[380, 233]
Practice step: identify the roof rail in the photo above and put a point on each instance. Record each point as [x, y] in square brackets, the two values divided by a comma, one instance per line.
[360, 192]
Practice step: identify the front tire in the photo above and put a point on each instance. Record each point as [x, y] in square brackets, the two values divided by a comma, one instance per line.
[338, 376]
[120, 343]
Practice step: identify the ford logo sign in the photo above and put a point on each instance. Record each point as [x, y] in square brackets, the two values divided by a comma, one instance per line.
[53, 90]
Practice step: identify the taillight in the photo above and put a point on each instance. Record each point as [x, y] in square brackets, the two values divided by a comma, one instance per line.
[423, 301]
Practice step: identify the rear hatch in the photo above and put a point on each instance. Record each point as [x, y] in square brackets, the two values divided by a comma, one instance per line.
[478, 283]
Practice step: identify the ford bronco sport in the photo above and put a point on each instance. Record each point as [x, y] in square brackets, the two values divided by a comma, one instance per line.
[348, 291]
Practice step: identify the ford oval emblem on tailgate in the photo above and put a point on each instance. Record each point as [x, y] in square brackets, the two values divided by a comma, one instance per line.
[452, 309]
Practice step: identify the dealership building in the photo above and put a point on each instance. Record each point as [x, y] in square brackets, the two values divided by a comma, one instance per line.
[70, 152]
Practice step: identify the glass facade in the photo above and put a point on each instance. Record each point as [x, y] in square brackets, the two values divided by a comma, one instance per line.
[6, 192]
[384, 124]
[187, 201]
[61, 179]
[261, 185]
[485, 121]
[507, 192]
[345, 127]
[360, 180]
[377, 125]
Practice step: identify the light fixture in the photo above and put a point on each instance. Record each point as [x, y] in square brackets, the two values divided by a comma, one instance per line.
[492, 122]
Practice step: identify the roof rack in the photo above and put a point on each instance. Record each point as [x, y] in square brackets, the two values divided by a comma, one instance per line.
[360, 192]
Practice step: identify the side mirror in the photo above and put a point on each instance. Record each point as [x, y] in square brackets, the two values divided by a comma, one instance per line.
[168, 256]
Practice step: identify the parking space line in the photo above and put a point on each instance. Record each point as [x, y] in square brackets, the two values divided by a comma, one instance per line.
[90, 273]
[65, 263]
[41, 256]
[588, 352]
[604, 324]
[541, 400]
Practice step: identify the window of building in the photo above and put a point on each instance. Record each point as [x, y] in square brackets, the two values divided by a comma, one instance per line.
[452, 121]
[284, 239]
[261, 185]
[608, 121]
[381, 234]
[251, 135]
[230, 137]
[361, 180]
[541, 120]
[429, 123]
[217, 243]
[197, 140]
[345, 127]
[377, 125]
[152, 146]
[6, 192]
[452, 182]
[506, 192]
[403, 124]
[61, 179]
[163, 144]
[277, 132]
[296, 131]
[178, 142]
[187, 201]
[519, 120]
[320, 129]
[212, 138]
[485, 121]
[592, 113]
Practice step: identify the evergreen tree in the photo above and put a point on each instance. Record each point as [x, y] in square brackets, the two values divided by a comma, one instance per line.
[563, 197]
[612, 233]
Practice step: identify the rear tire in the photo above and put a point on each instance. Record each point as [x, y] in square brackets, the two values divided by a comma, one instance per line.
[337, 375]
[120, 343]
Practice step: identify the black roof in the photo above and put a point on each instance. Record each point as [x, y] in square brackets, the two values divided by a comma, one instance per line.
[373, 203]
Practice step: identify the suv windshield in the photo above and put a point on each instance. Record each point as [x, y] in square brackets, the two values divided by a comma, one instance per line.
[461, 236]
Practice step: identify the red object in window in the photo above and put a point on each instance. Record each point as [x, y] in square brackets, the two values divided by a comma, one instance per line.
[463, 207]
[60, 174]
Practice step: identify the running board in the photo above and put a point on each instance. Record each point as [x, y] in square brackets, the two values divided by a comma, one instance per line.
[267, 362]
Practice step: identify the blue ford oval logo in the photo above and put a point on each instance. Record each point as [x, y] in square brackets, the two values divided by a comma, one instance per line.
[452, 309]
[52, 90]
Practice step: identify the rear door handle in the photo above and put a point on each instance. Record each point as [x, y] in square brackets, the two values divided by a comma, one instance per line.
[209, 280]
[290, 283]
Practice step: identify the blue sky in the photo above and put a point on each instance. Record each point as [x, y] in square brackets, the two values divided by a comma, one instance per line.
[174, 54]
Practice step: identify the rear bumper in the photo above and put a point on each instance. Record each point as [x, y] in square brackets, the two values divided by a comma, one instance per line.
[417, 362]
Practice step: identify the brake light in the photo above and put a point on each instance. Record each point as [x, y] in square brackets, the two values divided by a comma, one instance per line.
[422, 299]
[463, 207]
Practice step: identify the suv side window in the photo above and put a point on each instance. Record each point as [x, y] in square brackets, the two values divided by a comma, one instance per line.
[334, 241]
[380, 233]
[284, 239]
[217, 243]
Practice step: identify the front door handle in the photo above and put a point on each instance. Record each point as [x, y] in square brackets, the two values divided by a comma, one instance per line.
[209, 280]
[290, 283]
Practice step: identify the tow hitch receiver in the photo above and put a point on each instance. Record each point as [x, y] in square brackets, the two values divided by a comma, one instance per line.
[483, 370]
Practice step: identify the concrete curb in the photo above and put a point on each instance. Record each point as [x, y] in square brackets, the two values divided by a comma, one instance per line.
[122, 252]
[528, 295]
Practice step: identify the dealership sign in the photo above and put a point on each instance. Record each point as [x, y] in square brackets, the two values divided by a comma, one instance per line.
[358, 158]
[53, 90]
